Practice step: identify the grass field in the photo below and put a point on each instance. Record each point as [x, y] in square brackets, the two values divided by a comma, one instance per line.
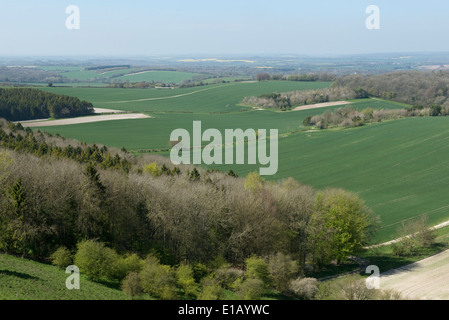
[159, 76]
[211, 98]
[22, 279]
[398, 166]
[124, 74]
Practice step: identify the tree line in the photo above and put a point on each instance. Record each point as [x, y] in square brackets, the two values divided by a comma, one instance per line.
[287, 100]
[351, 117]
[27, 104]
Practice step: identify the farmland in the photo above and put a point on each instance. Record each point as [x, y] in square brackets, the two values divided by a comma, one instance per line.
[397, 169]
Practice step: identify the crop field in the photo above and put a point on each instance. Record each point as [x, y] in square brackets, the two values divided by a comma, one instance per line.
[211, 98]
[124, 74]
[158, 76]
[398, 170]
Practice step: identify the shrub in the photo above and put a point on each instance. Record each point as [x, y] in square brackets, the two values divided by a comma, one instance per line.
[157, 279]
[257, 268]
[127, 264]
[304, 288]
[357, 290]
[95, 260]
[227, 276]
[282, 269]
[199, 271]
[131, 285]
[254, 182]
[404, 247]
[62, 258]
[185, 279]
[251, 289]
[153, 169]
[210, 290]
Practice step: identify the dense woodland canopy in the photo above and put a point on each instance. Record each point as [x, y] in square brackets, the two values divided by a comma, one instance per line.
[27, 104]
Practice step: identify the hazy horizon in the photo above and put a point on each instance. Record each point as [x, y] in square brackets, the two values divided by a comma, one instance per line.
[195, 28]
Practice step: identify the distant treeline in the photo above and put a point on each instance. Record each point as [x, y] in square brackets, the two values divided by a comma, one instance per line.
[27, 104]
[33, 75]
[296, 77]
[127, 66]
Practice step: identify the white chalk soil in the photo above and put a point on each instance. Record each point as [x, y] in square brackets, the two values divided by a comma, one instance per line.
[321, 105]
[119, 115]
[427, 279]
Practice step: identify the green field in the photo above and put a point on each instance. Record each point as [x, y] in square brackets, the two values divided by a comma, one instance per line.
[397, 166]
[211, 98]
[159, 76]
[123, 75]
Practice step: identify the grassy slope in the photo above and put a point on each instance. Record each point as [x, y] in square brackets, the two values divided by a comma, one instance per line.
[22, 279]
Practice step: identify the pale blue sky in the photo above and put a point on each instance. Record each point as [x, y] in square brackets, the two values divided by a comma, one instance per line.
[137, 27]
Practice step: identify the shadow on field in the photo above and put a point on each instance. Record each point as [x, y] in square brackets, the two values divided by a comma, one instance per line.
[18, 275]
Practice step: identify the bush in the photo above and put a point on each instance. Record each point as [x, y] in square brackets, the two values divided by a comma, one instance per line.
[199, 271]
[153, 169]
[227, 276]
[282, 269]
[251, 289]
[95, 260]
[210, 290]
[404, 247]
[257, 268]
[357, 290]
[254, 182]
[62, 258]
[131, 285]
[157, 279]
[304, 288]
[185, 279]
[127, 264]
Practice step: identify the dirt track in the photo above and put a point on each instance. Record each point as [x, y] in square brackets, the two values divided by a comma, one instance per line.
[427, 279]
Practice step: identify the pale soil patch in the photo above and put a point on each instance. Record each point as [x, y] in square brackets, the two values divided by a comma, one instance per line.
[133, 74]
[321, 105]
[90, 119]
[103, 110]
[427, 279]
